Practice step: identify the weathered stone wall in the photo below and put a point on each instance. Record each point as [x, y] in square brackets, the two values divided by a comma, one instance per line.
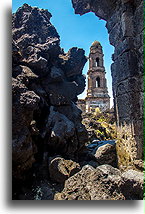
[124, 21]
[81, 104]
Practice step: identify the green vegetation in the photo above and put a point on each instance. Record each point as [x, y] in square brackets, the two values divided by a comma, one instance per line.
[100, 125]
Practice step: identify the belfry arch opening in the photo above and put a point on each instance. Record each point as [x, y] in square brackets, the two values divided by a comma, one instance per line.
[98, 82]
[97, 62]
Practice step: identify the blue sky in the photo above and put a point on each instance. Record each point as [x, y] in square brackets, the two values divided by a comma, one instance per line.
[76, 31]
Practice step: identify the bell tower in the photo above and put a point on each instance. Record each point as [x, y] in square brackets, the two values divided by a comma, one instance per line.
[97, 93]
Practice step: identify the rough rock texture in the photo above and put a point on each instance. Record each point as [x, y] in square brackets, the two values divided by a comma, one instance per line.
[100, 152]
[124, 21]
[106, 154]
[61, 169]
[132, 184]
[101, 183]
[25, 102]
[46, 82]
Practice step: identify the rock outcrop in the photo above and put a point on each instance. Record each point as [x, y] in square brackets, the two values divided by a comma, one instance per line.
[103, 183]
[93, 184]
[46, 82]
[124, 22]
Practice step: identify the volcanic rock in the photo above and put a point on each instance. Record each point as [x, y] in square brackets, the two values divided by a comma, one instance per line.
[61, 169]
[46, 82]
[106, 154]
[23, 147]
[92, 184]
[132, 184]
[73, 62]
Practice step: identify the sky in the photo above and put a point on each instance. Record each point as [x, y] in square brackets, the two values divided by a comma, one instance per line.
[76, 31]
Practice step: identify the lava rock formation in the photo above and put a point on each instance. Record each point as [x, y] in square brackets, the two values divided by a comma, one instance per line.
[45, 85]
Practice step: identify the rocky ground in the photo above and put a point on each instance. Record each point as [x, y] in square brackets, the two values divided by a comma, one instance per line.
[53, 156]
[100, 125]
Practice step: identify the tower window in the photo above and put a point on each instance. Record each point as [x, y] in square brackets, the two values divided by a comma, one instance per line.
[97, 61]
[97, 82]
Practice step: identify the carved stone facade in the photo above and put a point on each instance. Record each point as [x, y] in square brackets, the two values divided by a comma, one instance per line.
[97, 92]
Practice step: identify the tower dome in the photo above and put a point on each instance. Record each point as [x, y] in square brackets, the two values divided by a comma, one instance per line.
[95, 44]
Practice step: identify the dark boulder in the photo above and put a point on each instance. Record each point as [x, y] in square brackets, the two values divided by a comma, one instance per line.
[106, 154]
[46, 82]
[36, 37]
[23, 147]
[73, 61]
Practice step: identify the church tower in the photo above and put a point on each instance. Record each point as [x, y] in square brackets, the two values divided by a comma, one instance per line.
[97, 93]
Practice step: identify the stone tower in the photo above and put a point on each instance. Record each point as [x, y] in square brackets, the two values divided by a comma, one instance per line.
[97, 93]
